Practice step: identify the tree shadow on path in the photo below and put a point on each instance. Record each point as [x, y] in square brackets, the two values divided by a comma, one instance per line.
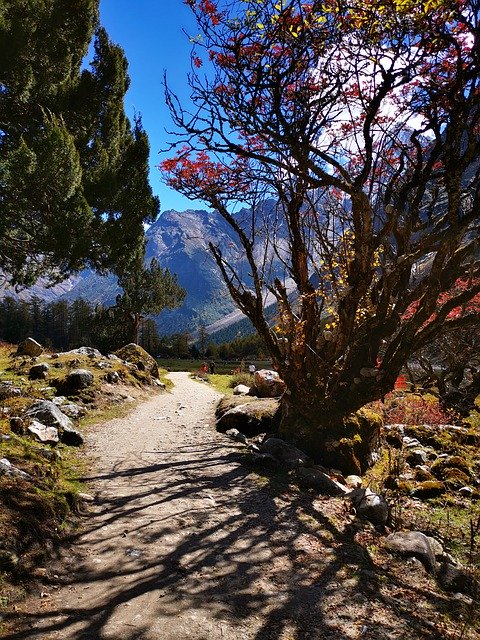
[250, 555]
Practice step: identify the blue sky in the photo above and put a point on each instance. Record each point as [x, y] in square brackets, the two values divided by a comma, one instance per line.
[150, 33]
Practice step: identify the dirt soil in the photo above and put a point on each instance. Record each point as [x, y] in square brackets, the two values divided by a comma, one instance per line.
[184, 540]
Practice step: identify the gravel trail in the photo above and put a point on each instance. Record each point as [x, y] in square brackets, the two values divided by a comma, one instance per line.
[185, 542]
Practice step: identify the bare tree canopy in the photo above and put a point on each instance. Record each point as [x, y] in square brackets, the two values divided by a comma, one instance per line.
[361, 120]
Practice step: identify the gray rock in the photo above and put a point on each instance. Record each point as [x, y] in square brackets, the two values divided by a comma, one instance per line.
[465, 491]
[71, 436]
[287, 455]
[59, 400]
[39, 371]
[436, 547]
[314, 478]
[47, 435]
[84, 351]
[7, 390]
[79, 379]
[369, 505]
[7, 469]
[458, 580]
[241, 390]
[73, 410]
[29, 347]
[49, 414]
[412, 543]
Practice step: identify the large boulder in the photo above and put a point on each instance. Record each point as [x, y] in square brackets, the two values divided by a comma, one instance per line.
[79, 379]
[29, 347]
[134, 354]
[268, 384]
[413, 543]
[257, 416]
[50, 415]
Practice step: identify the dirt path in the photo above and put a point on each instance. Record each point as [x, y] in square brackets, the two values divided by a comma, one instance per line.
[185, 542]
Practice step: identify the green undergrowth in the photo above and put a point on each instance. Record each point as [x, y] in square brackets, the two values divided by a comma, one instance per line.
[426, 497]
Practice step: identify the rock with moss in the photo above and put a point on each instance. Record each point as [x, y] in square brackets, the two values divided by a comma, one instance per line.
[356, 446]
[136, 355]
[29, 347]
[428, 489]
[251, 418]
[455, 478]
[440, 466]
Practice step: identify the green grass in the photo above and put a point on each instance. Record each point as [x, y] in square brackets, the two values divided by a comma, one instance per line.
[221, 383]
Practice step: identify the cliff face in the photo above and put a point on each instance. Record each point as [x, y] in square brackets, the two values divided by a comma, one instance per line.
[180, 242]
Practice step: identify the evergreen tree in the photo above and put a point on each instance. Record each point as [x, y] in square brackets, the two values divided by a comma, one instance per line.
[73, 171]
[146, 291]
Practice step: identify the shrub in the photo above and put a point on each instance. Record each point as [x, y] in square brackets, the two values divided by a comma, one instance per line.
[409, 408]
[241, 378]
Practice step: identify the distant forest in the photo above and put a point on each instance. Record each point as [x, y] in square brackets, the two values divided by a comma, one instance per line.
[64, 325]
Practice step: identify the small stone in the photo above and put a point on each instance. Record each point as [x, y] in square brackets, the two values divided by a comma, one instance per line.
[466, 491]
[353, 482]
[235, 434]
[85, 497]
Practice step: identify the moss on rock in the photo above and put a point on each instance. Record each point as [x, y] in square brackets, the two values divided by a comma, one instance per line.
[135, 354]
[428, 489]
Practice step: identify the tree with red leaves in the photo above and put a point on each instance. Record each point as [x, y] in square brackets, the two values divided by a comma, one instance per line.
[361, 120]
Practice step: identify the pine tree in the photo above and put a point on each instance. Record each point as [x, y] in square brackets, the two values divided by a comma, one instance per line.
[73, 171]
[146, 291]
